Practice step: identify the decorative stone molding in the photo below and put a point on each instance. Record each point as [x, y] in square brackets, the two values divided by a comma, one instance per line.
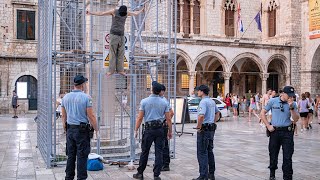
[192, 73]
[230, 5]
[227, 75]
[273, 5]
[264, 76]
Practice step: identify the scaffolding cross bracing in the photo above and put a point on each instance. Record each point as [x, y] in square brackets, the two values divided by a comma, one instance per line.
[71, 43]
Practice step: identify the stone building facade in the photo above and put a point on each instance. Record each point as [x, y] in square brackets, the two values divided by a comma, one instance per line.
[228, 60]
[18, 54]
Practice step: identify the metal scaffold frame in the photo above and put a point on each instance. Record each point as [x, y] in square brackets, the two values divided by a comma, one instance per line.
[71, 43]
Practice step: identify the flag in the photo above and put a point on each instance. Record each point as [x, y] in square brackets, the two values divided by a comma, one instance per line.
[258, 21]
[240, 25]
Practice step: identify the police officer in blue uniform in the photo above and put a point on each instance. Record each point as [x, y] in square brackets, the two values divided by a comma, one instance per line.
[77, 112]
[208, 115]
[152, 110]
[281, 130]
[166, 148]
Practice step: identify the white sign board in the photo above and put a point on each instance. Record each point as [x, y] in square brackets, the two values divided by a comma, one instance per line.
[22, 90]
[106, 49]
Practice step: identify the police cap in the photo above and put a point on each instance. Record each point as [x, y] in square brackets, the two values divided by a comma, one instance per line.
[289, 90]
[79, 79]
[205, 89]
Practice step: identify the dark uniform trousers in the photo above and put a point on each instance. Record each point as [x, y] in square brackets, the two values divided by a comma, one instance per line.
[78, 148]
[285, 139]
[166, 149]
[149, 136]
[205, 153]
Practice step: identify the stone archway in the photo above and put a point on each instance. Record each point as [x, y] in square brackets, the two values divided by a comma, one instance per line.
[315, 73]
[277, 68]
[246, 70]
[27, 90]
[209, 67]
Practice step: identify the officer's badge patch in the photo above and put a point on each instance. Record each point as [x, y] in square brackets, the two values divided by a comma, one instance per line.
[90, 101]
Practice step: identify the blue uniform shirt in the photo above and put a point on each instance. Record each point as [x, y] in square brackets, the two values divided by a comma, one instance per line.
[208, 108]
[154, 107]
[168, 105]
[279, 118]
[76, 104]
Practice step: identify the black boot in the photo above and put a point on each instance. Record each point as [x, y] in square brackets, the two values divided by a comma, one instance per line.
[211, 177]
[272, 175]
[138, 176]
[165, 168]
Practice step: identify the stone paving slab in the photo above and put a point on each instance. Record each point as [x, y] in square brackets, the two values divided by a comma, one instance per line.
[241, 152]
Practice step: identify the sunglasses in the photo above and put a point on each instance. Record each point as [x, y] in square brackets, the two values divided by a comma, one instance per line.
[281, 107]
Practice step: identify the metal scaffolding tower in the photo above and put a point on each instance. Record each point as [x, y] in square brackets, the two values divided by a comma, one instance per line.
[71, 43]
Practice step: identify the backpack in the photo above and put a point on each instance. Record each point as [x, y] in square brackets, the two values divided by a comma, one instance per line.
[94, 165]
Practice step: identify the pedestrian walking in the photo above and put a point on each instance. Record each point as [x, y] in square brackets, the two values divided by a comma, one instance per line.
[14, 103]
[318, 108]
[152, 109]
[311, 108]
[303, 107]
[117, 38]
[243, 104]
[227, 100]
[281, 130]
[166, 148]
[253, 107]
[77, 113]
[235, 104]
[208, 115]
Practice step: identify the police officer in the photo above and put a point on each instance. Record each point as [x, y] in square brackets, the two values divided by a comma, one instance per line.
[281, 130]
[208, 115]
[76, 109]
[166, 148]
[152, 109]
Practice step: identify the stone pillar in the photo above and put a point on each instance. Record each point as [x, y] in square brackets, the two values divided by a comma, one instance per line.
[287, 76]
[191, 17]
[203, 17]
[226, 76]
[264, 77]
[181, 3]
[192, 75]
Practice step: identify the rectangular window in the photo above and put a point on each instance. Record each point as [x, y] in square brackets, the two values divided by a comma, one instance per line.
[186, 17]
[149, 81]
[229, 23]
[25, 25]
[185, 81]
[196, 17]
[272, 23]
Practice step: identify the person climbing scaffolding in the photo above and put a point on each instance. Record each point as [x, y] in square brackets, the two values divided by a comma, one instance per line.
[117, 38]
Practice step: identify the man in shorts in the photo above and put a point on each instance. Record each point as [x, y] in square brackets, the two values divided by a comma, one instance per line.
[14, 103]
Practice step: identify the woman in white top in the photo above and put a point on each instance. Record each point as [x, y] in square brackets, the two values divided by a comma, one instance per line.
[311, 108]
[235, 103]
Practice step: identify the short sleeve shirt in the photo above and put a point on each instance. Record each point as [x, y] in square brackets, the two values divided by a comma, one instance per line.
[15, 100]
[154, 108]
[76, 104]
[208, 109]
[168, 105]
[280, 112]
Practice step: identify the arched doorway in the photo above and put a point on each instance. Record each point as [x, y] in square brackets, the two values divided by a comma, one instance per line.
[245, 77]
[210, 72]
[27, 89]
[315, 73]
[277, 75]
[182, 77]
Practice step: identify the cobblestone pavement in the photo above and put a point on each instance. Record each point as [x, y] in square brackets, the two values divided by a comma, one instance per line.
[240, 150]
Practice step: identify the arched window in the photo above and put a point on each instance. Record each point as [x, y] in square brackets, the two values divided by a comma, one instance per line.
[272, 18]
[196, 17]
[229, 7]
[186, 17]
[26, 88]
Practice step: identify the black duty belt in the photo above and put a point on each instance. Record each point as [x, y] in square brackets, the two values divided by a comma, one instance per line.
[154, 124]
[71, 126]
[285, 128]
[208, 127]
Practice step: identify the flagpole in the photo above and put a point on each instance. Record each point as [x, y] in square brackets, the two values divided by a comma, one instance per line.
[260, 11]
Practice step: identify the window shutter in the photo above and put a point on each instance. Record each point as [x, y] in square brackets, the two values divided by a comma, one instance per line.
[229, 22]
[21, 24]
[196, 17]
[30, 25]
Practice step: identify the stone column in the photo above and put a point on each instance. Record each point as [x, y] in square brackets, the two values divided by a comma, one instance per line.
[203, 17]
[192, 75]
[181, 3]
[287, 76]
[191, 17]
[226, 76]
[264, 77]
